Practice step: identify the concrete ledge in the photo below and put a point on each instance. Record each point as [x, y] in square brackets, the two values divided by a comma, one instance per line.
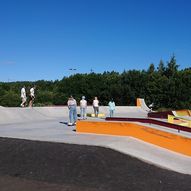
[163, 139]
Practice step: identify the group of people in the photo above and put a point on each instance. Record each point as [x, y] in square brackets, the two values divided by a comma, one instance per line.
[24, 96]
[72, 106]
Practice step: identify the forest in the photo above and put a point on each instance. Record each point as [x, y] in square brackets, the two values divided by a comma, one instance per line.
[167, 86]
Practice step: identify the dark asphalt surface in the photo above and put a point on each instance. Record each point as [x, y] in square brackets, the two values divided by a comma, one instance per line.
[34, 165]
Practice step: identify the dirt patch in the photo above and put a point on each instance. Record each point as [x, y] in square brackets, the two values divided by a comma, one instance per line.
[34, 165]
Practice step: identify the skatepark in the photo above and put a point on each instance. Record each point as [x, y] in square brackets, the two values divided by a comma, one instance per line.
[50, 124]
[114, 153]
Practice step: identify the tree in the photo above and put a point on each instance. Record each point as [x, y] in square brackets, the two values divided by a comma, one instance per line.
[151, 69]
[172, 67]
[161, 67]
[167, 87]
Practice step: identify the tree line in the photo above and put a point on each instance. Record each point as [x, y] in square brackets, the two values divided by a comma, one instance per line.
[166, 86]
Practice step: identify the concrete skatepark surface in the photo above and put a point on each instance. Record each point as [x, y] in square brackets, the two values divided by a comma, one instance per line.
[50, 124]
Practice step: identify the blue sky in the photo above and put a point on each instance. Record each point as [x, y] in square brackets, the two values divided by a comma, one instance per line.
[43, 39]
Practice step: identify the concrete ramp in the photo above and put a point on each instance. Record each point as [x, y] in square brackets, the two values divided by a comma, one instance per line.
[184, 114]
[125, 111]
[18, 115]
[52, 112]
[141, 103]
[24, 115]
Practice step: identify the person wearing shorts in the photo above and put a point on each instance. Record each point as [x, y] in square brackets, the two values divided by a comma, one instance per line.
[32, 96]
[23, 97]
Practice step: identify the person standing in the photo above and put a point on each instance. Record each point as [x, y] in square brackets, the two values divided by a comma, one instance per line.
[23, 97]
[96, 106]
[111, 107]
[72, 106]
[83, 108]
[32, 96]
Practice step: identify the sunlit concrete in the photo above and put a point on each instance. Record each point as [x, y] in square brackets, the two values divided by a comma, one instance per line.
[50, 124]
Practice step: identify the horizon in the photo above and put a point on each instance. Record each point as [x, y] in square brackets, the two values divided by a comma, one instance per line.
[31, 81]
[48, 40]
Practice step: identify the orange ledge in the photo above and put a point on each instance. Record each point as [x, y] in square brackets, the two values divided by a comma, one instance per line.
[160, 138]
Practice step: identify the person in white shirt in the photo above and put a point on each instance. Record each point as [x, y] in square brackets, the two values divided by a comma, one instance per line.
[72, 106]
[83, 107]
[23, 97]
[32, 96]
[96, 106]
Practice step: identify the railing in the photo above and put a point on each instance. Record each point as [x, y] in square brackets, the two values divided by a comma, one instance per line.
[151, 121]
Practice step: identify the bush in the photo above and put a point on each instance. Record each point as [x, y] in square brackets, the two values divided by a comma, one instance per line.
[10, 99]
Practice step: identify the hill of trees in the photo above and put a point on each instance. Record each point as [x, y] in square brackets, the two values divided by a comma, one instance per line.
[166, 86]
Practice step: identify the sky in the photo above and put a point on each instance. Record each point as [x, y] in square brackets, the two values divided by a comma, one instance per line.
[44, 39]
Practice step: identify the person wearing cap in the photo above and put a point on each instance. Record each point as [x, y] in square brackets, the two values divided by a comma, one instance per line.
[72, 106]
[83, 107]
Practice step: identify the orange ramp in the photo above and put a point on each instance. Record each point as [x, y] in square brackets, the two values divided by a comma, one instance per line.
[138, 102]
[183, 112]
[141, 103]
[160, 138]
